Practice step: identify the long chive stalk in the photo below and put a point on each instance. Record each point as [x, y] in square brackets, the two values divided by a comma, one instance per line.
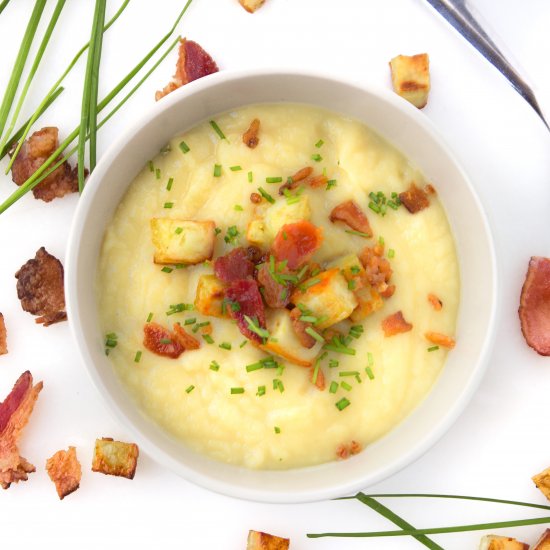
[42, 48]
[20, 62]
[41, 173]
[400, 522]
[88, 116]
[40, 109]
[3, 5]
[17, 135]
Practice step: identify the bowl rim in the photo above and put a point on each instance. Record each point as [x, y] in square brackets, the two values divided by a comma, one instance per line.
[230, 488]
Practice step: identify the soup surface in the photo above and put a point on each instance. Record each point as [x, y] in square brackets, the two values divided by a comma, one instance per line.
[237, 398]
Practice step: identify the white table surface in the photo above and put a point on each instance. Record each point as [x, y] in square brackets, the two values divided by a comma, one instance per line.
[501, 439]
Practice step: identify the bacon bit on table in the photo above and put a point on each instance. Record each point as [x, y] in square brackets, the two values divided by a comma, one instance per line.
[34, 152]
[440, 339]
[345, 451]
[295, 180]
[193, 63]
[296, 243]
[234, 266]
[188, 342]
[437, 304]
[395, 324]
[275, 294]
[350, 213]
[250, 137]
[534, 308]
[414, 199]
[161, 341]
[320, 382]
[247, 295]
[40, 288]
[15, 411]
[3, 336]
[300, 329]
[65, 471]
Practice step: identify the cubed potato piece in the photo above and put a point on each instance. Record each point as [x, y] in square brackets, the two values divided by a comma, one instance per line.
[263, 230]
[494, 542]
[369, 301]
[115, 458]
[327, 295]
[251, 5]
[350, 266]
[209, 296]
[542, 481]
[287, 344]
[263, 541]
[411, 78]
[544, 542]
[65, 471]
[182, 241]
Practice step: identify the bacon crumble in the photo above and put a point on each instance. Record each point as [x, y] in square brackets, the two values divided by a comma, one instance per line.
[295, 180]
[65, 471]
[349, 213]
[436, 303]
[185, 339]
[40, 288]
[345, 451]
[414, 199]
[247, 295]
[3, 336]
[161, 341]
[300, 329]
[250, 137]
[440, 339]
[395, 324]
[296, 243]
[234, 265]
[276, 295]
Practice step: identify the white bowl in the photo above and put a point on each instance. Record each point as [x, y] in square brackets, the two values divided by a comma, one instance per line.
[411, 132]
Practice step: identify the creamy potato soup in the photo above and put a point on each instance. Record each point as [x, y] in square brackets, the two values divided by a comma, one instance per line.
[278, 287]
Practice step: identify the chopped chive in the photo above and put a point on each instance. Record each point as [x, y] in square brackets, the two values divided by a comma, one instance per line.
[208, 339]
[278, 385]
[333, 387]
[266, 195]
[165, 341]
[319, 144]
[315, 335]
[236, 168]
[178, 230]
[315, 271]
[167, 269]
[346, 386]
[215, 366]
[225, 345]
[277, 429]
[316, 157]
[238, 208]
[137, 358]
[381, 241]
[348, 373]
[237, 390]
[374, 207]
[359, 233]
[149, 317]
[231, 235]
[111, 342]
[355, 269]
[169, 184]
[333, 363]
[157, 173]
[433, 348]
[151, 166]
[243, 343]
[168, 204]
[250, 177]
[255, 327]
[261, 391]
[309, 283]
[370, 359]
[308, 319]
[274, 179]
[180, 266]
[301, 273]
[254, 366]
[190, 321]
[184, 147]
[217, 170]
[178, 308]
[285, 236]
[339, 349]
[356, 330]
[352, 284]
[342, 404]
[190, 389]
[217, 230]
[369, 372]
[391, 253]
[217, 129]
[331, 184]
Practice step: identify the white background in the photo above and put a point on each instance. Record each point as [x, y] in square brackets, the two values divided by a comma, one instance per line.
[502, 438]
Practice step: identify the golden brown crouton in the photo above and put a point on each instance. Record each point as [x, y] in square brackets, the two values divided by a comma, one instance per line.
[115, 458]
[542, 481]
[251, 5]
[411, 78]
[494, 542]
[544, 542]
[3, 336]
[263, 541]
[65, 471]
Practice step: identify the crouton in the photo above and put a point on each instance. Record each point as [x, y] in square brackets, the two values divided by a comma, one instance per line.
[369, 301]
[542, 481]
[263, 541]
[251, 5]
[327, 296]
[182, 241]
[209, 296]
[494, 542]
[544, 541]
[65, 471]
[115, 458]
[284, 341]
[411, 78]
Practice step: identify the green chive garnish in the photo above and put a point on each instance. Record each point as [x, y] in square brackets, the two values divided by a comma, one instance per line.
[190, 321]
[359, 233]
[215, 366]
[266, 195]
[217, 170]
[274, 179]
[255, 327]
[254, 366]
[157, 173]
[184, 147]
[342, 404]
[352, 284]
[137, 358]
[277, 429]
[238, 208]
[331, 184]
[165, 341]
[391, 253]
[167, 269]
[261, 391]
[319, 144]
[208, 339]
[433, 348]
[225, 345]
[169, 184]
[149, 317]
[237, 390]
[333, 363]
[316, 157]
[190, 389]
[309, 283]
[243, 343]
[346, 386]
[250, 177]
[217, 129]
[315, 335]
[333, 387]
[370, 359]
[369, 372]
[178, 230]
[178, 308]
[236, 168]
[151, 166]
[231, 235]
[168, 204]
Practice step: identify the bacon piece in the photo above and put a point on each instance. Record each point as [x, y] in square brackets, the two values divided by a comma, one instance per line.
[161, 341]
[395, 324]
[34, 152]
[255, 198]
[275, 294]
[193, 63]
[14, 415]
[345, 451]
[300, 329]
[317, 181]
[250, 137]
[247, 295]
[65, 471]
[350, 213]
[295, 180]
[234, 266]
[388, 292]
[40, 288]
[3, 336]
[440, 339]
[534, 308]
[378, 270]
[188, 342]
[437, 304]
[320, 382]
[414, 199]
[296, 243]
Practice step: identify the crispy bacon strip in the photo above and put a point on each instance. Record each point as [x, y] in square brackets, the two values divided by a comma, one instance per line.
[40, 288]
[349, 213]
[296, 243]
[247, 295]
[193, 63]
[3, 336]
[437, 304]
[300, 329]
[440, 339]
[161, 341]
[395, 324]
[534, 308]
[65, 471]
[414, 199]
[250, 137]
[295, 180]
[34, 152]
[234, 266]
[14, 415]
[185, 339]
